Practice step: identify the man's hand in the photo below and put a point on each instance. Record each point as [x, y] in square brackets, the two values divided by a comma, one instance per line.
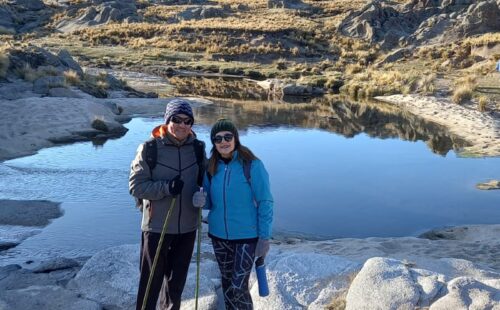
[175, 185]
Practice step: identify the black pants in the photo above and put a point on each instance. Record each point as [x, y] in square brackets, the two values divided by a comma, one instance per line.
[172, 266]
[235, 262]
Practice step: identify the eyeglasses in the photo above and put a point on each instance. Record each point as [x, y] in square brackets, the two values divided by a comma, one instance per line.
[228, 137]
[177, 120]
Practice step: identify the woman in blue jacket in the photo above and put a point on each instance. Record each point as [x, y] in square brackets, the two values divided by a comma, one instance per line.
[241, 211]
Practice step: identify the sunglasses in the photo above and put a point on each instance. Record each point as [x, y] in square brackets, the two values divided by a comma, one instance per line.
[177, 120]
[228, 137]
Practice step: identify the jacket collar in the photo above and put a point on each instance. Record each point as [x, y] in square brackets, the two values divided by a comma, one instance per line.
[161, 132]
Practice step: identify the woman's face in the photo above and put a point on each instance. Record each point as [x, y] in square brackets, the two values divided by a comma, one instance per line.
[223, 146]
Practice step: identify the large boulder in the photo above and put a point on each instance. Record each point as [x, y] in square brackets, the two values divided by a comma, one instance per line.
[45, 83]
[68, 61]
[296, 280]
[304, 280]
[7, 24]
[287, 4]
[383, 284]
[390, 284]
[44, 298]
[469, 293]
[180, 2]
[34, 57]
[102, 12]
[481, 17]
[421, 21]
[111, 277]
[202, 12]
[378, 22]
[28, 5]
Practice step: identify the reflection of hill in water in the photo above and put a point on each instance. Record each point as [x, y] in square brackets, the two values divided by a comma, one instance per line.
[220, 87]
[377, 120]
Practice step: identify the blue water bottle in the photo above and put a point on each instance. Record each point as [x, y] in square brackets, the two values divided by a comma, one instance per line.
[260, 269]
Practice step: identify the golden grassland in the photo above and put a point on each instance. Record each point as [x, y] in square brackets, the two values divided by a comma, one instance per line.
[372, 82]
[485, 39]
[258, 42]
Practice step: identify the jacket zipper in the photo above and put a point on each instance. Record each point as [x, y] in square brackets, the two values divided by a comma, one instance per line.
[224, 197]
[180, 194]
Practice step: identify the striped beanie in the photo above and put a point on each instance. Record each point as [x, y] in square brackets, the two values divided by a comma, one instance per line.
[178, 106]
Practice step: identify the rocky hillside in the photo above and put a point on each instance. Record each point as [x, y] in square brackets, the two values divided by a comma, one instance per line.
[371, 47]
[421, 22]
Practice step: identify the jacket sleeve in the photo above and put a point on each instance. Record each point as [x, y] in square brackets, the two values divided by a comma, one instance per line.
[141, 184]
[261, 188]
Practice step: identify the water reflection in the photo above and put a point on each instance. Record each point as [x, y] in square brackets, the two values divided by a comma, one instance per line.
[376, 119]
[219, 87]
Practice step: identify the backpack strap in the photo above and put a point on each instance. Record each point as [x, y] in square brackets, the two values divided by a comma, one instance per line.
[199, 152]
[151, 153]
[151, 147]
[247, 167]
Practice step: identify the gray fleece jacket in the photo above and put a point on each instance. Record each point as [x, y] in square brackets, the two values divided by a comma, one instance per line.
[152, 186]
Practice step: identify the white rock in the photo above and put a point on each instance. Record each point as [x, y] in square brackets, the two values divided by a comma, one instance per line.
[110, 276]
[300, 280]
[468, 293]
[383, 284]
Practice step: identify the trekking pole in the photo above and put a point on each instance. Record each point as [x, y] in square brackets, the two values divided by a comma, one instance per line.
[157, 254]
[198, 257]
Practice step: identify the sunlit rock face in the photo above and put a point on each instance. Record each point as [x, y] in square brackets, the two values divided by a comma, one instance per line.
[100, 12]
[421, 21]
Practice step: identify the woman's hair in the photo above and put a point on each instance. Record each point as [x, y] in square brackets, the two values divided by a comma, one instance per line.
[244, 153]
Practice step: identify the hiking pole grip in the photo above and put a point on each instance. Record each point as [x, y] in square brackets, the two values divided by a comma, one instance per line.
[260, 270]
[157, 254]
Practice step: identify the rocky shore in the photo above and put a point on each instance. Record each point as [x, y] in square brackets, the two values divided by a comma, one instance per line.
[481, 130]
[450, 268]
[453, 268]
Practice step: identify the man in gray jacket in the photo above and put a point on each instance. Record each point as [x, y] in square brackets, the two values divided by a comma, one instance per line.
[174, 175]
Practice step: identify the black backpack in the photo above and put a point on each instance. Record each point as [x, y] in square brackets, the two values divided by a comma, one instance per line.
[152, 156]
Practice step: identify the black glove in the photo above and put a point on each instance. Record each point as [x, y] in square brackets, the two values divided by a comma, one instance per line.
[175, 185]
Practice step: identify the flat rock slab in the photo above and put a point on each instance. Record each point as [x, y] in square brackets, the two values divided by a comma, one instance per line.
[493, 184]
[45, 297]
[28, 212]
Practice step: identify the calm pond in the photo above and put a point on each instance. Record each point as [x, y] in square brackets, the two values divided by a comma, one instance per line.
[337, 170]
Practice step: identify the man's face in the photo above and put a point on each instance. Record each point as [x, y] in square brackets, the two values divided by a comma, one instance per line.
[179, 126]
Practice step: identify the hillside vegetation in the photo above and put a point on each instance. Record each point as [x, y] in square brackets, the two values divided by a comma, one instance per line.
[360, 48]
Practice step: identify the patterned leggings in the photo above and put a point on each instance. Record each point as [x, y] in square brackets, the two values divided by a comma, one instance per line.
[235, 263]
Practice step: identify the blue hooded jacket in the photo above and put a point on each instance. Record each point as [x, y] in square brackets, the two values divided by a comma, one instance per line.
[239, 210]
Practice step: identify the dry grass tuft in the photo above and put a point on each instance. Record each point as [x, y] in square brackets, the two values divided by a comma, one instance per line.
[469, 80]
[4, 63]
[353, 69]
[462, 94]
[485, 39]
[482, 102]
[71, 77]
[372, 83]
